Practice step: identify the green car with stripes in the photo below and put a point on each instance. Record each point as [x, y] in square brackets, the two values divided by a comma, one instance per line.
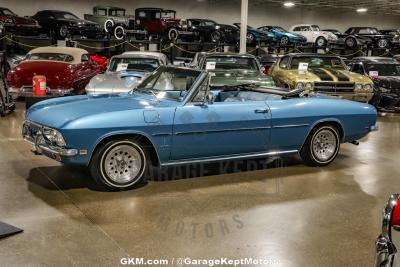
[322, 73]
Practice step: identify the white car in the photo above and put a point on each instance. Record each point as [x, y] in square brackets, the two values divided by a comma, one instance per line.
[125, 71]
[314, 34]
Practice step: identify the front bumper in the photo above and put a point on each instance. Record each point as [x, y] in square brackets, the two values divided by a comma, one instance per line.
[32, 133]
[27, 91]
[359, 97]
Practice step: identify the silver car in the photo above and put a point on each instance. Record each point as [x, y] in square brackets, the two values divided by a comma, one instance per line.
[125, 71]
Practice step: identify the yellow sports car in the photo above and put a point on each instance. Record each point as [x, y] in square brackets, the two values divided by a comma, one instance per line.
[321, 73]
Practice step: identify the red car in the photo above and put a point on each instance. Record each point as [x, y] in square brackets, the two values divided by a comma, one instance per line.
[67, 71]
[13, 24]
[162, 23]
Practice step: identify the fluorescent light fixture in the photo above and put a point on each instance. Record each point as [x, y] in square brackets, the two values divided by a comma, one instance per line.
[289, 4]
[362, 10]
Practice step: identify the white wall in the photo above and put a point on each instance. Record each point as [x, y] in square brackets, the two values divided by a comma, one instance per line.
[227, 11]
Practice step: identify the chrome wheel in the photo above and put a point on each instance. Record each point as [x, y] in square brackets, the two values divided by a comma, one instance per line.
[324, 145]
[383, 43]
[250, 38]
[63, 31]
[284, 40]
[350, 42]
[119, 32]
[123, 163]
[321, 41]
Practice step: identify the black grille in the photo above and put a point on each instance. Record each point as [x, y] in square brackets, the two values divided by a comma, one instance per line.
[333, 87]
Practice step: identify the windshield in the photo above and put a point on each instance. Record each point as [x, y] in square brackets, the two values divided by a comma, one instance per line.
[168, 15]
[318, 62]
[117, 12]
[315, 28]
[50, 56]
[131, 64]
[169, 83]
[230, 63]
[280, 29]
[65, 15]
[384, 69]
[7, 12]
[209, 22]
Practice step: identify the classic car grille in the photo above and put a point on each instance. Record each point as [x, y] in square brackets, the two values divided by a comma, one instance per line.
[333, 87]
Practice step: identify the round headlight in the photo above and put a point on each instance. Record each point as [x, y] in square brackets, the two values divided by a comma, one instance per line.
[309, 86]
[359, 86]
[300, 86]
[367, 87]
[54, 137]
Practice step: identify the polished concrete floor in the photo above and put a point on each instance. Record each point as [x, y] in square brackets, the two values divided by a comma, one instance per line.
[283, 211]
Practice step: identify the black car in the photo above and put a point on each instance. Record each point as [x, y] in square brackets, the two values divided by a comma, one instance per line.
[211, 31]
[385, 73]
[266, 61]
[374, 37]
[62, 24]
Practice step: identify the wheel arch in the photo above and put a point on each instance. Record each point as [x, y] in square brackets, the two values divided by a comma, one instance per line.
[328, 121]
[141, 137]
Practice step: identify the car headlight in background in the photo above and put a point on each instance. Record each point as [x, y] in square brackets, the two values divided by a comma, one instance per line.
[54, 136]
[384, 90]
[309, 86]
[358, 86]
[300, 86]
[368, 87]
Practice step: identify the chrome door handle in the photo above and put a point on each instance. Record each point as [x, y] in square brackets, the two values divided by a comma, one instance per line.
[262, 110]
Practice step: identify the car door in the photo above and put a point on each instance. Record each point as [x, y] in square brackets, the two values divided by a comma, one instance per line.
[203, 129]
[306, 32]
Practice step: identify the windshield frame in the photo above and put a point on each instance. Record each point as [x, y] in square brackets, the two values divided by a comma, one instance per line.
[135, 58]
[60, 15]
[368, 70]
[198, 81]
[205, 58]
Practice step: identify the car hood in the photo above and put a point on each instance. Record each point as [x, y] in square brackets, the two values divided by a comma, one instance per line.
[117, 82]
[324, 74]
[232, 78]
[294, 35]
[226, 26]
[58, 112]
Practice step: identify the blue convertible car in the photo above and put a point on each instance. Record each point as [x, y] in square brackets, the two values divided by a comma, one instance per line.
[174, 117]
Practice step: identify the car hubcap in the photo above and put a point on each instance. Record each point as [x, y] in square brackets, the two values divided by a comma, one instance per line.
[250, 37]
[350, 42]
[215, 36]
[321, 42]
[119, 33]
[123, 164]
[284, 41]
[324, 145]
[63, 31]
[382, 43]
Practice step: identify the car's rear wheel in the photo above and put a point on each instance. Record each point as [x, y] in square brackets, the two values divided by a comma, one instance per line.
[119, 164]
[251, 38]
[108, 25]
[63, 31]
[321, 41]
[351, 42]
[216, 36]
[322, 146]
[119, 32]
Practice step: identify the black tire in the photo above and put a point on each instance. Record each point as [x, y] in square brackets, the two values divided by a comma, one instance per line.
[351, 42]
[284, 41]
[108, 25]
[119, 32]
[309, 153]
[251, 38]
[63, 31]
[216, 36]
[321, 41]
[102, 157]
[172, 35]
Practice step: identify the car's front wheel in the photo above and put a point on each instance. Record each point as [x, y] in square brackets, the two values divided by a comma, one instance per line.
[321, 41]
[351, 42]
[63, 31]
[284, 41]
[119, 164]
[383, 43]
[322, 146]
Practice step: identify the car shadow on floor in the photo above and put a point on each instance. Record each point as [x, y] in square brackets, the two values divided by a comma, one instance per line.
[73, 177]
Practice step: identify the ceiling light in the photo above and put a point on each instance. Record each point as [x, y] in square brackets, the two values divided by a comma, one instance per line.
[362, 10]
[289, 4]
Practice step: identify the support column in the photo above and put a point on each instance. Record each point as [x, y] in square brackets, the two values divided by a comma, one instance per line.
[243, 26]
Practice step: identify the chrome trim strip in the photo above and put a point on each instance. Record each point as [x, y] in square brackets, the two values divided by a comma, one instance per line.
[233, 157]
[224, 130]
[161, 134]
[290, 126]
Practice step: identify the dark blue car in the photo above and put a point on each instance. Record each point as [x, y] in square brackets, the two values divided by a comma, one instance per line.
[282, 36]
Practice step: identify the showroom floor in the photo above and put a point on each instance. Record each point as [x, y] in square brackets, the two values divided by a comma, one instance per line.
[287, 212]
